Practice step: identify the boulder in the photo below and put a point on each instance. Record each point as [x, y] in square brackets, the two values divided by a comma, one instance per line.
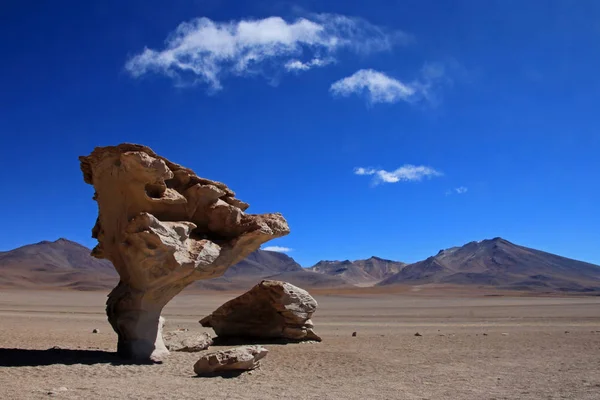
[163, 227]
[186, 341]
[270, 310]
[242, 358]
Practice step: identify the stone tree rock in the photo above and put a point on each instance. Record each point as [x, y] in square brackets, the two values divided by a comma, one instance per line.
[163, 227]
[242, 358]
[270, 310]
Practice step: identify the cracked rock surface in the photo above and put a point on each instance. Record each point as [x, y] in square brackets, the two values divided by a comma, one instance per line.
[270, 310]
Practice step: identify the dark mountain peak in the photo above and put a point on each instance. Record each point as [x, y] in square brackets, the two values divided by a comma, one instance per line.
[375, 258]
[59, 241]
[499, 262]
[498, 240]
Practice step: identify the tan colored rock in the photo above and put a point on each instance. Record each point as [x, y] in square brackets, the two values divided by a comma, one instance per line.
[242, 358]
[163, 227]
[270, 310]
[186, 341]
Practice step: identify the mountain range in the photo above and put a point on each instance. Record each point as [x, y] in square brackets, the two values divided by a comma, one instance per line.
[360, 272]
[498, 262]
[493, 262]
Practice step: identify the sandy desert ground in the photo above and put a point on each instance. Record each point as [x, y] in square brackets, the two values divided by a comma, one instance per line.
[477, 347]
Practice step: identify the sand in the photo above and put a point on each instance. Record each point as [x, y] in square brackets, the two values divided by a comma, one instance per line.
[525, 354]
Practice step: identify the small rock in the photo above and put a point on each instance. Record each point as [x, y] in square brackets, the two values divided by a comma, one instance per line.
[418, 334]
[55, 391]
[485, 334]
[186, 341]
[354, 333]
[567, 332]
[441, 334]
[504, 334]
[242, 358]
[96, 331]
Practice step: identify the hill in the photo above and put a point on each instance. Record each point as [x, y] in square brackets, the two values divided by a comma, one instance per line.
[360, 272]
[61, 263]
[498, 262]
[263, 264]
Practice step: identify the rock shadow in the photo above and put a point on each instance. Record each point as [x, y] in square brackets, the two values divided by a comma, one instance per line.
[35, 357]
[242, 341]
[222, 374]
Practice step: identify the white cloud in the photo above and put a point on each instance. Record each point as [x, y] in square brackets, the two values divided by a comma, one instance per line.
[364, 171]
[407, 172]
[278, 249]
[458, 190]
[381, 88]
[297, 65]
[205, 51]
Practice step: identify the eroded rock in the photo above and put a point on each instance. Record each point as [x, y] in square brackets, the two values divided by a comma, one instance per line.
[163, 227]
[187, 341]
[242, 358]
[270, 310]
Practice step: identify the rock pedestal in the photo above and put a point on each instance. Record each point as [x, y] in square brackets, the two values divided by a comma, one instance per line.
[163, 227]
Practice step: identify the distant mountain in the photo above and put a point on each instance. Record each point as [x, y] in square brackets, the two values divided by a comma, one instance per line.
[61, 263]
[498, 262]
[267, 264]
[495, 262]
[360, 272]
[69, 265]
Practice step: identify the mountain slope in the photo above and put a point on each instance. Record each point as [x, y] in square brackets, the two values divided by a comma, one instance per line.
[360, 272]
[499, 262]
[61, 263]
[267, 264]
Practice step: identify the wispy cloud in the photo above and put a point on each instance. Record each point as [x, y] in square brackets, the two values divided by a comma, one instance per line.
[381, 88]
[405, 173]
[278, 249]
[203, 51]
[297, 65]
[458, 190]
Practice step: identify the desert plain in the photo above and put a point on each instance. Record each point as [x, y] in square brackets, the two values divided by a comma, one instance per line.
[474, 345]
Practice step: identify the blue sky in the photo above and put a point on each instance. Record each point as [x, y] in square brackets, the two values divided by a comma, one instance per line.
[395, 129]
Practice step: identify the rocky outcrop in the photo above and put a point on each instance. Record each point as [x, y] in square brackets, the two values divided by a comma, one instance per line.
[270, 310]
[186, 341]
[242, 358]
[163, 227]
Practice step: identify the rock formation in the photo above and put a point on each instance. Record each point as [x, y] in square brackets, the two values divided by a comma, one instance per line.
[163, 227]
[270, 310]
[186, 341]
[242, 358]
